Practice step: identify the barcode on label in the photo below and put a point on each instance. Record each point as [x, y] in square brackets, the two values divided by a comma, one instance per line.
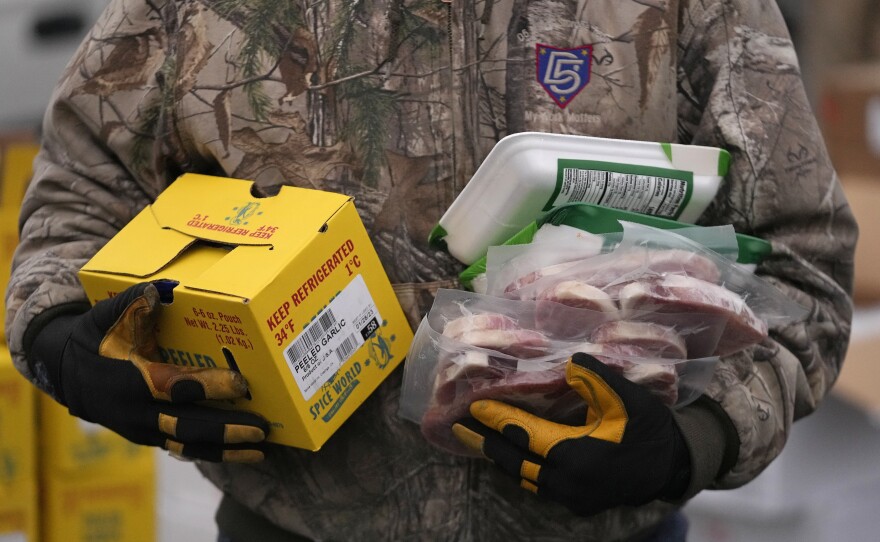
[316, 330]
[346, 348]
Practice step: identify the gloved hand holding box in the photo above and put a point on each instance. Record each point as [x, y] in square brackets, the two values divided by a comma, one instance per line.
[288, 290]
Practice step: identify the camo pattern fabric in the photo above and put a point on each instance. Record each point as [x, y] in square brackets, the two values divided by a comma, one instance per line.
[396, 102]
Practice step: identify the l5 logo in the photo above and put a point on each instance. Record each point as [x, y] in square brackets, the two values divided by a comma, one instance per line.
[563, 72]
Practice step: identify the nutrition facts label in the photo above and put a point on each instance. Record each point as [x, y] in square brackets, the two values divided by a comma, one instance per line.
[646, 190]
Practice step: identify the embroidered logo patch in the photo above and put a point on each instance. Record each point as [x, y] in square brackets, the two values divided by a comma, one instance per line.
[563, 72]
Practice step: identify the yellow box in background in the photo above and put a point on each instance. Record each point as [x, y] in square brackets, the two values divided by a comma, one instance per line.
[18, 444]
[88, 507]
[8, 242]
[287, 289]
[71, 445]
[19, 516]
[16, 168]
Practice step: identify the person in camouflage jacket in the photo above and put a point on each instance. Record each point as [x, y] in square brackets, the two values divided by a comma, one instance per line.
[396, 102]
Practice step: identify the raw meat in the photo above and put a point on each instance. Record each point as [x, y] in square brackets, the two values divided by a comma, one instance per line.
[659, 378]
[477, 322]
[497, 332]
[580, 295]
[570, 309]
[470, 375]
[657, 340]
[544, 393]
[535, 276]
[676, 293]
[616, 269]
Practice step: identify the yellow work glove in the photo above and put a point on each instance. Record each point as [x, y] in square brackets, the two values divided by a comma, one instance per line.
[629, 451]
[103, 365]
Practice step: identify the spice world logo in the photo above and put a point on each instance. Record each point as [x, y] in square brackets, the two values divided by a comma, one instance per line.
[563, 72]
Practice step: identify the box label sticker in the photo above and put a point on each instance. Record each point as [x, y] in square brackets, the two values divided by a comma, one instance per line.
[332, 337]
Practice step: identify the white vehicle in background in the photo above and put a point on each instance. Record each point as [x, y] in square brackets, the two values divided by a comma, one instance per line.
[37, 39]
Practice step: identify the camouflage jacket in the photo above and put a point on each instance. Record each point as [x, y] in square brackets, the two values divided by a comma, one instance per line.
[396, 102]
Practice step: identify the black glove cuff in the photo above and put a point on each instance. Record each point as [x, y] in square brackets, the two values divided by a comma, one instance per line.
[47, 349]
[712, 440]
[680, 477]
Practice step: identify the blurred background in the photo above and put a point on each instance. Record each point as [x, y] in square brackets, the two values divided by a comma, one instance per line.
[74, 481]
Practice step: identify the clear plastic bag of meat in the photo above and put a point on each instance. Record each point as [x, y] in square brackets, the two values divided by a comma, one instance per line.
[658, 271]
[555, 246]
[641, 251]
[472, 347]
[534, 328]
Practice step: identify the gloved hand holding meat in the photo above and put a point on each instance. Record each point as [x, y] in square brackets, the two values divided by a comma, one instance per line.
[657, 311]
[493, 348]
[627, 450]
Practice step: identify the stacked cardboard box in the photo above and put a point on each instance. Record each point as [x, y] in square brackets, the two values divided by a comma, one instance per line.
[19, 482]
[60, 478]
[17, 152]
[95, 484]
[18, 452]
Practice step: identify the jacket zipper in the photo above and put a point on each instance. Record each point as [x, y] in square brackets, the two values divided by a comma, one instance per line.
[451, 53]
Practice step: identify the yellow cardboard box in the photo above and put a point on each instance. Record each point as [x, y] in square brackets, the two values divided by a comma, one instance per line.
[8, 242]
[115, 507]
[16, 169]
[18, 446]
[71, 445]
[287, 289]
[19, 516]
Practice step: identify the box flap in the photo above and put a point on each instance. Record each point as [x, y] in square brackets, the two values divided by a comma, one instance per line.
[266, 232]
[260, 235]
[225, 211]
[143, 250]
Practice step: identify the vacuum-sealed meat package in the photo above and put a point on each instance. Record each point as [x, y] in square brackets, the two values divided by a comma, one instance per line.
[657, 307]
[655, 271]
[472, 347]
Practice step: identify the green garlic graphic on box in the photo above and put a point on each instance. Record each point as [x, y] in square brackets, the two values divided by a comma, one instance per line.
[100, 444]
[8, 467]
[243, 213]
[342, 383]
[90, 450]
[380, 348]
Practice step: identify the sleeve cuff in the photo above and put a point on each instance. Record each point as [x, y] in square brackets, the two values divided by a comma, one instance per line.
[44, 342]
[712, 441]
